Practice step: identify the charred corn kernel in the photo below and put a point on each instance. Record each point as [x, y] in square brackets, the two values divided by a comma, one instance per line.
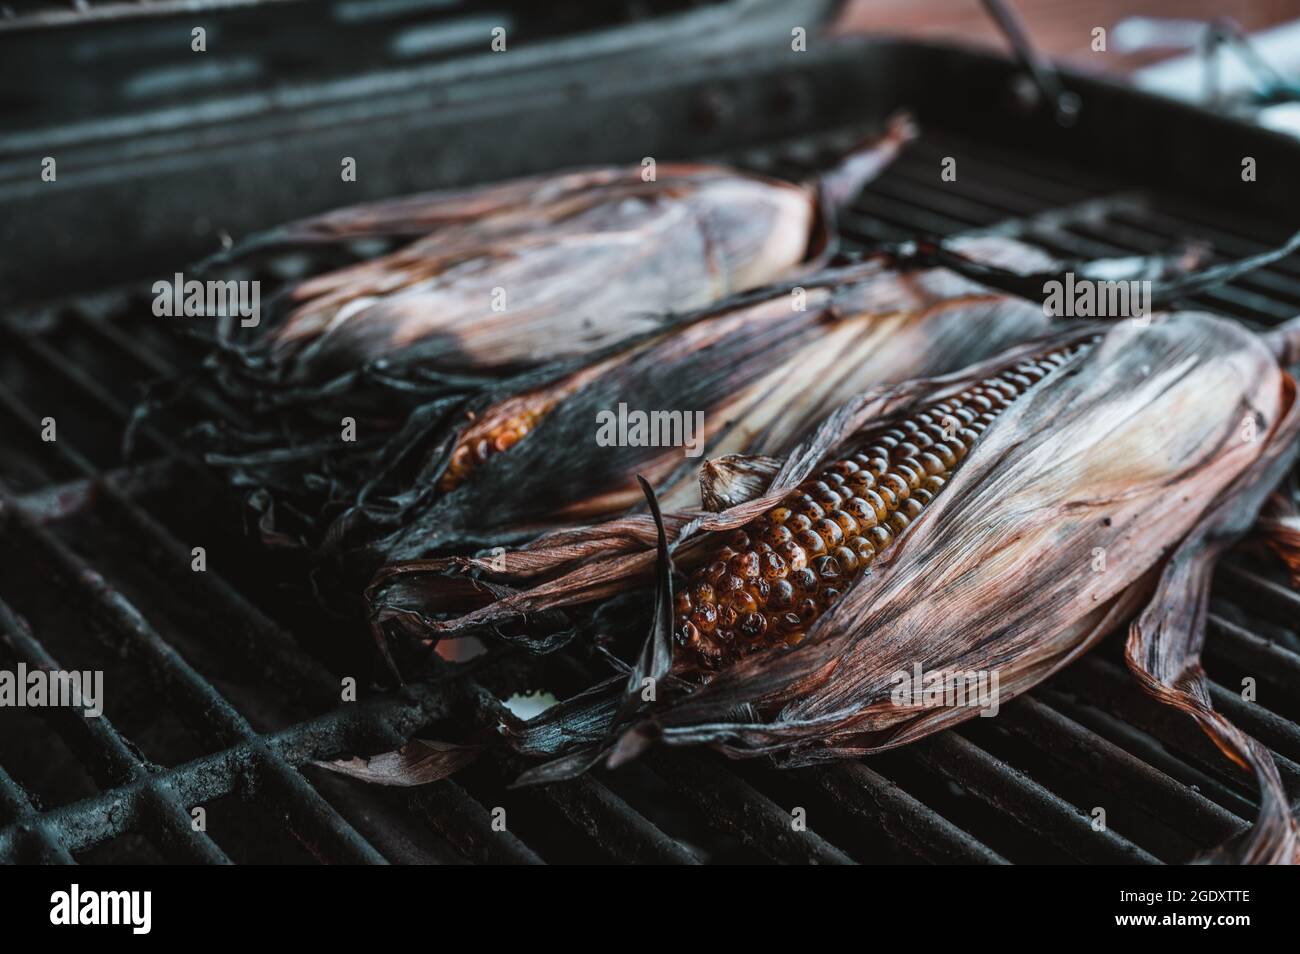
[781, 572]
[507, 424]
[478, 445]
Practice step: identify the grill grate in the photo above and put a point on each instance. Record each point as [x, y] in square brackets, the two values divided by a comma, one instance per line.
[97, 558]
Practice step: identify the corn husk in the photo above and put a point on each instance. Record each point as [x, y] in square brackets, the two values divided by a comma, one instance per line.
[759, 369]
[522, 273]
[576, 262]
[1279, 527]
[1138, 448]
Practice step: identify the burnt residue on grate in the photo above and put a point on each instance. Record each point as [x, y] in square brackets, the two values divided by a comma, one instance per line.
[223, 688]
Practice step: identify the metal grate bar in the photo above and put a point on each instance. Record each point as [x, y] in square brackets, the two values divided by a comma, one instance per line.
[1072, 244]
[1265, 593]
[112, 759]
[28, 827]
[109, 814]
[54, 502]
[1014, 169]
[152, 361]
[908, 822]
[590, 806]
[911, 197]
[733, 805]
[98, 395]
[1109, 685]
[214, 718]
[1178, 217]
[992, 202]
[864, 221]
[295, 669]
[586, 803]
[616, 826]
[1006, 789]
[1272, 730]
[1281, 735]
[316, 823]
[1147, 748]
[1067, 741]
[1236, 297]
[459, 818]
[736, 807]
[1252, 652]
[958, 213]
[172, 558]
[1141, 236]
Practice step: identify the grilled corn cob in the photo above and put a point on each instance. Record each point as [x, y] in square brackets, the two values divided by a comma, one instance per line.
[518, 274]
[760, 371]
[1154, 447]
[773, 578]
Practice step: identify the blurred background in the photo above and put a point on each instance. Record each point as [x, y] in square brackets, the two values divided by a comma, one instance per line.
[194, 107]
[64, 60]
[1062, 28]
[1167, 46]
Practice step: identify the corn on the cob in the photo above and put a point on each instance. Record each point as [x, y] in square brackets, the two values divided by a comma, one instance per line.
[1156, 446]
[760, 371]
[518, 274]
[773, 578]
[507, 423]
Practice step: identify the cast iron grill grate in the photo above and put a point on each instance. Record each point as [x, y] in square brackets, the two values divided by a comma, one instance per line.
[220, 695]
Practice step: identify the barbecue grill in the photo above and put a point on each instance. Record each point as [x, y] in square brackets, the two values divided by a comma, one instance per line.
[223, 686]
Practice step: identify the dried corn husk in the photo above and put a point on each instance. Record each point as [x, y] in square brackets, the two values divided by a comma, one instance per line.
[1155, 446]
[1279, 526]
[519, 274]
[759, 373]
[577, 261]
[761, 370]
[915, 324]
